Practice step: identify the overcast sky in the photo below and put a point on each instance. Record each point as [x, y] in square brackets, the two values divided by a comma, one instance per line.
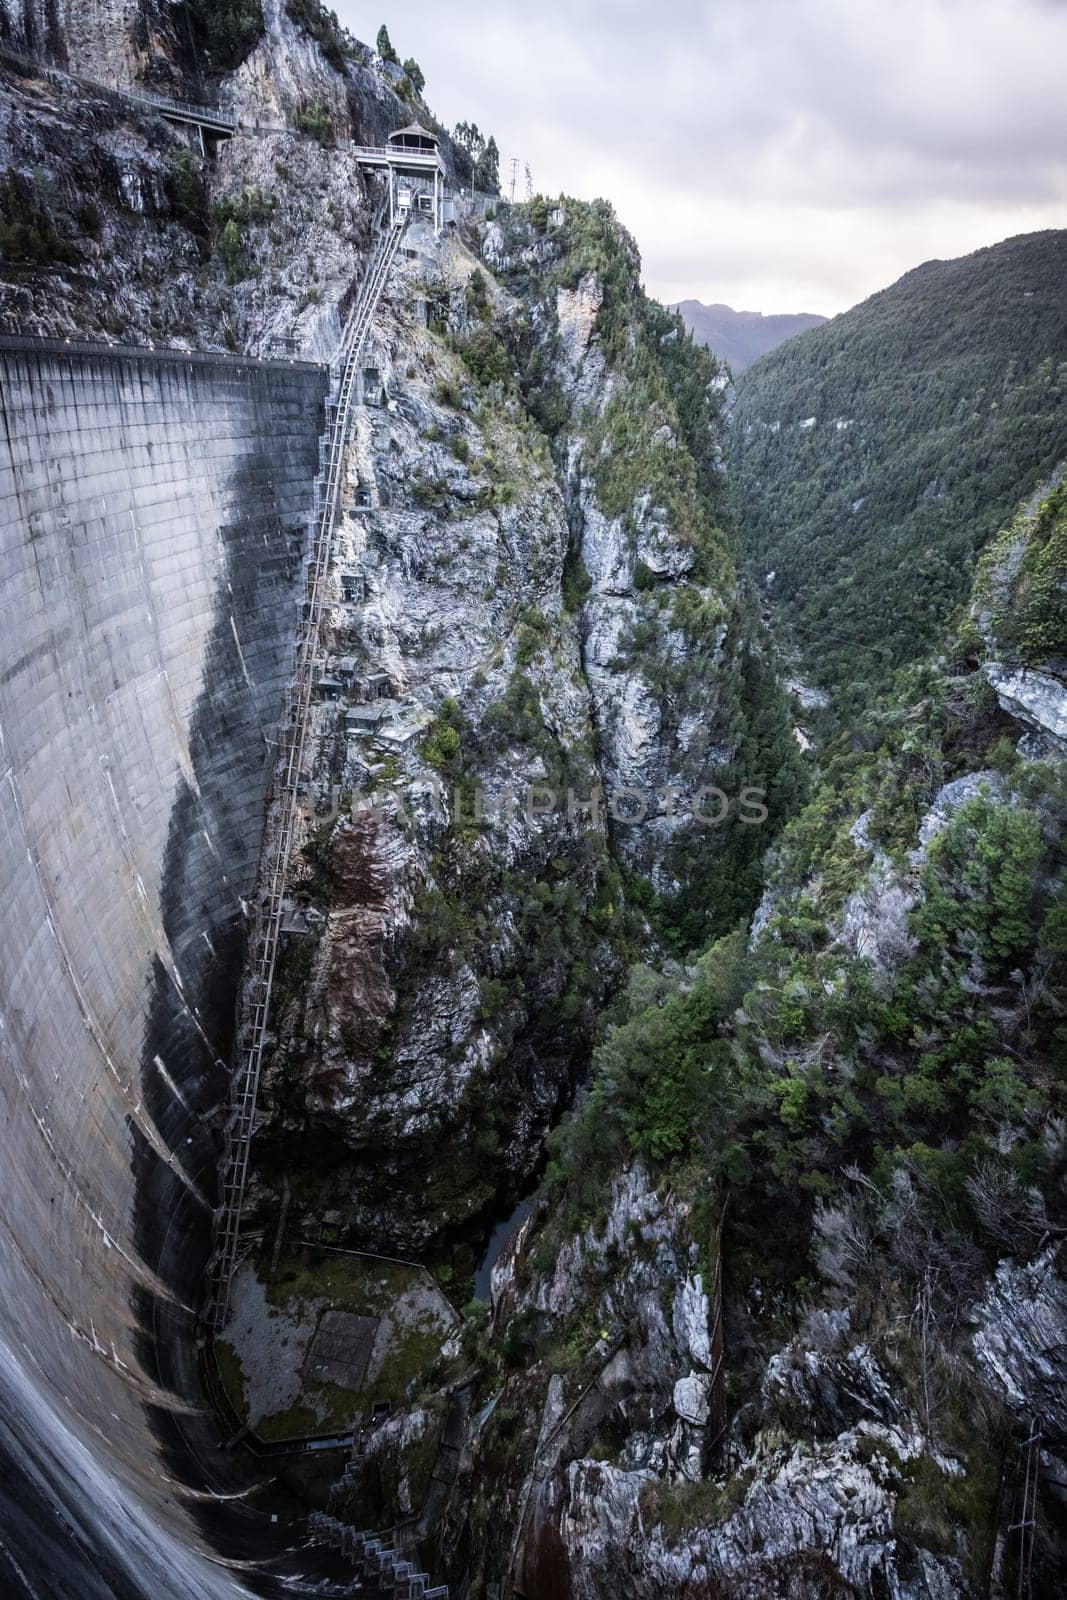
[780, 155]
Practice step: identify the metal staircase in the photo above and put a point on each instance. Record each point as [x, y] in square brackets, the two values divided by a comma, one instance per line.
[378, 1557]
[1022, 1528]
[278, 838]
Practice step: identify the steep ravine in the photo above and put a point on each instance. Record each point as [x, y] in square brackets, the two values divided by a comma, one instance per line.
[871, 1156]
[562, 909]
[551, 714]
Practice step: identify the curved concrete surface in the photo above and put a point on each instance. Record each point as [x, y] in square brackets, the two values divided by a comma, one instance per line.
[153, 529]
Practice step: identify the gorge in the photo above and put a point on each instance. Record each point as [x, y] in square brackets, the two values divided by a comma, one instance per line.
[611, 907]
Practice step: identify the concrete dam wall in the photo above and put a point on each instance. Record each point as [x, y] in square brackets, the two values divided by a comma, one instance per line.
[153, 535]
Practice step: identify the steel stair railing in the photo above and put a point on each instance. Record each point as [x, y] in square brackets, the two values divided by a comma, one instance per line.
[263, 945]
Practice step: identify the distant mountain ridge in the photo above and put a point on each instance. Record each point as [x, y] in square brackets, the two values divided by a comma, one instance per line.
[876, 457]
[740, 336]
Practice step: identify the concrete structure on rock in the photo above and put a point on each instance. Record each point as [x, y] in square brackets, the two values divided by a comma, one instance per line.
[153, 532]
[417, 176]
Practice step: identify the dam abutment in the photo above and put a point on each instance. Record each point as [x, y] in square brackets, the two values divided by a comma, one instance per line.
[155, 511]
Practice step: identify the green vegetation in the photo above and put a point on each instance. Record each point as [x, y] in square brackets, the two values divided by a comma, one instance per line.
[322, 26]
[486, 356]
[478, 294]
[935, 1506]
[250, 207]
[441, 744]
[576, 580]
[1021, 588]
[482, 154]
[27, 234]
[384, 46]
[231, 219]
[220, 33]
[232, 250]
[447, 393]
[979, 882]
[938, 405]
[907, 1050]
[316, 121]
[188, 197]
[534, 636]
[677, 1506]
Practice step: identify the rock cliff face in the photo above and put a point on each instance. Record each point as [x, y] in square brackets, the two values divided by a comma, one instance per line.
[448, 985]
[132, 234]
[112, 41]
[882, 1039]
[469, 908]
[791, 1290]
[1018, 614]
[673, 660]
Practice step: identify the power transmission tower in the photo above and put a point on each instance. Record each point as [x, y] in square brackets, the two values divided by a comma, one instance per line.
[514, 176]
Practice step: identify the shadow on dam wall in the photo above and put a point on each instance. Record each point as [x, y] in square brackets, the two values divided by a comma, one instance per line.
[153, 525]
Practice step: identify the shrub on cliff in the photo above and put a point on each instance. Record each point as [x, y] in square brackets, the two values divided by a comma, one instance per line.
[221, 32]
[188, 197]
[486, 357]
[871, 511]
[325, 28]
[1021, 587]
[27, 236]
[316, 121]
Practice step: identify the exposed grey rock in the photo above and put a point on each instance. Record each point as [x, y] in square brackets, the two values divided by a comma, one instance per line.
[1019, 1341]
[875, 920]
[692, 1398]
[948, 801]
[1036, 698]
[111, 41]
[804, 1499]
[690, 1320]
[808, 697]
[837, 1388]
[635, 1210]
[764, 912]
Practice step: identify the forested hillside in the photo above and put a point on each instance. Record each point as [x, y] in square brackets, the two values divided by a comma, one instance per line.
[876, 457]
[855, 1105]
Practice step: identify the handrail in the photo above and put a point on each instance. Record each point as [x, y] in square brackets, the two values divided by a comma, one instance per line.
[218, 117]
[214, 114]
[263, 945]
[154, 352]
[538, 1472]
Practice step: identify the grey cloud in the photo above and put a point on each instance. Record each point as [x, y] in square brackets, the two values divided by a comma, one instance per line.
[774, 148]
